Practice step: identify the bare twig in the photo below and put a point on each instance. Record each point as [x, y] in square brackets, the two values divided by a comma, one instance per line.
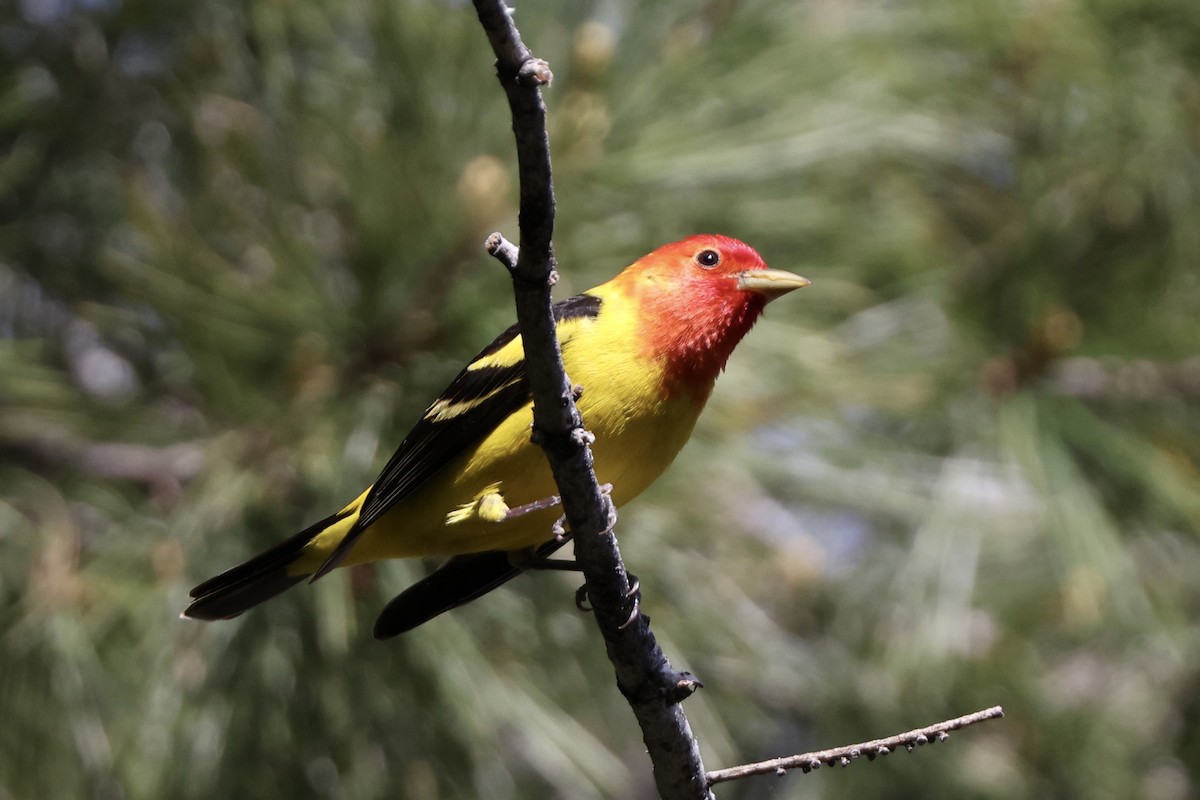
[644, 675]
[807, 762]
[504, 250]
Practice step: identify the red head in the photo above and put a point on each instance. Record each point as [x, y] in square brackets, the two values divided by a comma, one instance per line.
[699, 297]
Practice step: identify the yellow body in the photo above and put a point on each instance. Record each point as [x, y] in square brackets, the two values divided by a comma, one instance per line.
[639, 425]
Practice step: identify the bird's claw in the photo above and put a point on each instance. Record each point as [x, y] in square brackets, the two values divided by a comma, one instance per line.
[634, 614]
[634, 593]
[581, 598]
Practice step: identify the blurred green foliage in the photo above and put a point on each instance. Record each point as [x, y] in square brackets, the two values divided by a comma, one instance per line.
[240, 250]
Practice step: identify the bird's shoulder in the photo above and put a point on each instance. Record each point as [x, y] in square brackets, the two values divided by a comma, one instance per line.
[506, 351]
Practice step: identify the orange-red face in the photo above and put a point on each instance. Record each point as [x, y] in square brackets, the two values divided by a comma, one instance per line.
[707, 266]
[700, 296]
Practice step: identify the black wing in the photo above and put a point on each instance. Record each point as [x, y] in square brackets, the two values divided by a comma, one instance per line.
[457, 582]
[474, 404]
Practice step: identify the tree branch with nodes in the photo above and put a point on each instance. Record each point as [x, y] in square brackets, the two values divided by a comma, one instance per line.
[645, 677]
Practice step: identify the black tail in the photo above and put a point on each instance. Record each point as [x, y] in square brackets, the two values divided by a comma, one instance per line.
[253, 582]
[457, 582]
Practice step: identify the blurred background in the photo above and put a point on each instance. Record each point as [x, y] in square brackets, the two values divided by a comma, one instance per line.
[241, 250]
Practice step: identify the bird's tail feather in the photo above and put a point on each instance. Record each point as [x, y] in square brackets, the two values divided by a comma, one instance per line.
[457, 582]
[259, 579]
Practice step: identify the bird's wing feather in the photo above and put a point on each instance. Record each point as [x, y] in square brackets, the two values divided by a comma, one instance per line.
[457, 582]
[482, 396]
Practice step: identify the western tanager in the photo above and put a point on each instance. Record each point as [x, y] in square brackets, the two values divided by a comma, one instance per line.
[646, 348]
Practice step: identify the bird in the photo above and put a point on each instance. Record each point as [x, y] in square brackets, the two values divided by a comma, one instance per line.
[643, 350]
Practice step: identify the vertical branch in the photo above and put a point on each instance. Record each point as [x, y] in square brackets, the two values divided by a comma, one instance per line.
[643, 673]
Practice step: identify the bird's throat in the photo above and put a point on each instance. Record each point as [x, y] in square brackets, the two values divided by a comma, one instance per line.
[693, 341]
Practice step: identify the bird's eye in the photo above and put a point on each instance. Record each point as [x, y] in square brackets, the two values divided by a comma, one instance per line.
[708, 258]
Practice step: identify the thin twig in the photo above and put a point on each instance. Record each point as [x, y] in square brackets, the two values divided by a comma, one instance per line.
[504, 251]
[644, 675]
[807, 762]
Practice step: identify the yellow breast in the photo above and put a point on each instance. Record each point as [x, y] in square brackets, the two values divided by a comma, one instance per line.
[639, 429]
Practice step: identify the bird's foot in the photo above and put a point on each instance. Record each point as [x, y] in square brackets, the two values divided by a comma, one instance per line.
[634, 593]
[559, 528]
